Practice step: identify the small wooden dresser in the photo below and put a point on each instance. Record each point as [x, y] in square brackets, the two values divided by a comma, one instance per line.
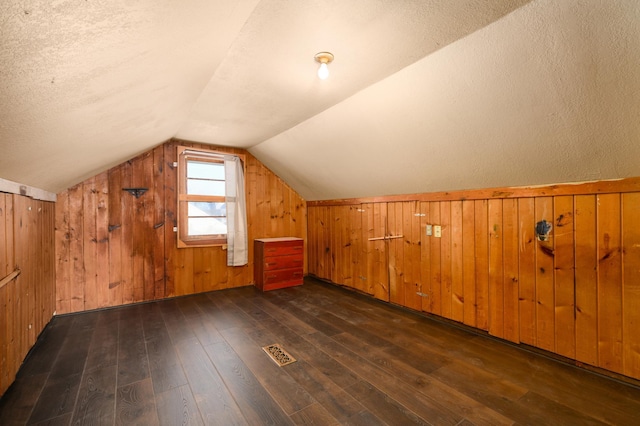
[278, 262]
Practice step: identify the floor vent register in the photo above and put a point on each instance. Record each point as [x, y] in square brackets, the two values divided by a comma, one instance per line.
[278, 354]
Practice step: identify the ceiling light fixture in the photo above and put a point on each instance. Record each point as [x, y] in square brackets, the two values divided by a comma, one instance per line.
[323, 58]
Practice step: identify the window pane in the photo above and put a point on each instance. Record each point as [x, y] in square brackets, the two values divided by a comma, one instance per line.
[205, 187]
[200, 208]
[207, 226]
[205, 170]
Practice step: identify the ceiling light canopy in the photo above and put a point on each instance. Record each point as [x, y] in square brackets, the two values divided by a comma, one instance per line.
[323, 58]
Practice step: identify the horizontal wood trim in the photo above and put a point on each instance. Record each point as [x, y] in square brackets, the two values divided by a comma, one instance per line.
[580, 188]
[6, 280]
[203, 242]
[26, 190]
[202, 198]
[208, 152]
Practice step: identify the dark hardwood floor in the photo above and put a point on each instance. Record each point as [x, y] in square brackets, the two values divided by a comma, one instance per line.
[198, 360]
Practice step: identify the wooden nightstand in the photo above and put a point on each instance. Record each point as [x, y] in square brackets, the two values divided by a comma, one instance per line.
[278, 262]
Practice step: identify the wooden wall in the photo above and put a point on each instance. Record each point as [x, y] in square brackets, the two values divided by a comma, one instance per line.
[576, 295]
[27, 302]
[113, 249]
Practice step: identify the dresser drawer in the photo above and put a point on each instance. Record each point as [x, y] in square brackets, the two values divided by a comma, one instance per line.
[283, 249]
[283, 275]
[283, 262]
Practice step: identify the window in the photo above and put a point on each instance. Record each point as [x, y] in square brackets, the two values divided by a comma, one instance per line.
[202, 198]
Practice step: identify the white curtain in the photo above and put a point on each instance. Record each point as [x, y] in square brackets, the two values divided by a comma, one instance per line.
[237, 244]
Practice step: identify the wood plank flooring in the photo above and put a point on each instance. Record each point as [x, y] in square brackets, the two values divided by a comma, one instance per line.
[198, 360]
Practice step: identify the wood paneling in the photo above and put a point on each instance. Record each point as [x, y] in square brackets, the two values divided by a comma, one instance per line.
[435, 290]
[457, 286]
[609, 282]
[412, 244]
[468, 263]
[631, 283]
[378, 258]
[27, 301]
[342, 248]
[425, 258]
[482, 263]
[595, 187]
[115, 249]
[446, 262]
[564, 257]
[358, 243]
[496, 270]
[544, 303]
[574, 293]
[511, 271]
[586, 287]
[404, 255]
[527, 271]
[395, 250]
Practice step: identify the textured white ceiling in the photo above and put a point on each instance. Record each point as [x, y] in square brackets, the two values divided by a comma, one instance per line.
[267, 82]
[88, 84]
[548, 94]
[424, 95]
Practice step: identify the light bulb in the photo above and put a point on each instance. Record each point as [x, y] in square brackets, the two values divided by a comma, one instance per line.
[323, 71]
[323, 58]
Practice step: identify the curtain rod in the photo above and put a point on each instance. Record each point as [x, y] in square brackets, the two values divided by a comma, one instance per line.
[206, 153]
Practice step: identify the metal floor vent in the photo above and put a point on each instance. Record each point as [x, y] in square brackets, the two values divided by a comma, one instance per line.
[278, 355]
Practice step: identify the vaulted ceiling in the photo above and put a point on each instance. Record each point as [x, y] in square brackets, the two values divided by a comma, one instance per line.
[424, 95]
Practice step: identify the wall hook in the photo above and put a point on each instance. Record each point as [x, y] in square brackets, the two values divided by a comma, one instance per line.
[136, 192]
[543, 228]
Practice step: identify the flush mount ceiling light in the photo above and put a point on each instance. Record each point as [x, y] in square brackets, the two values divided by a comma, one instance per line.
[323, 58]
